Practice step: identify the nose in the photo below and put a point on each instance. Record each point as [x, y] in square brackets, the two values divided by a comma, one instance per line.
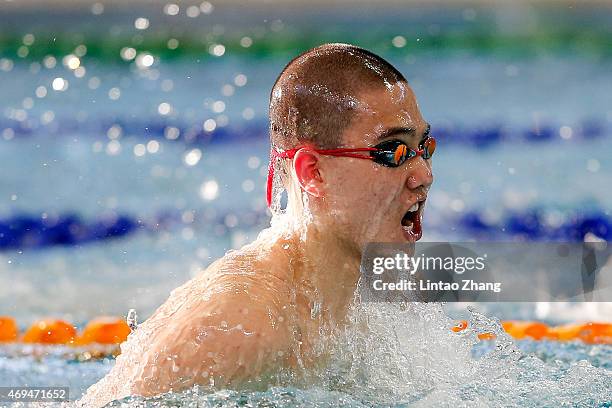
[420, 174]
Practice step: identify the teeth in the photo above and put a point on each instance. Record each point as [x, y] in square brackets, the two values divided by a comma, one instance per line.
[414, 207]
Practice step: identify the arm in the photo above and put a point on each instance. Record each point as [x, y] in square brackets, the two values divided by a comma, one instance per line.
[221, 342]
[215, 335]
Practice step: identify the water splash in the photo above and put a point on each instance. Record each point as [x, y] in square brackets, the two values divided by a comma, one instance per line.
[132, 319]
[405, 354]
[396, 355]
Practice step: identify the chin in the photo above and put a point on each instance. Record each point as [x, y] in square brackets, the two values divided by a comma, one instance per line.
[396, 237]
[400, 236]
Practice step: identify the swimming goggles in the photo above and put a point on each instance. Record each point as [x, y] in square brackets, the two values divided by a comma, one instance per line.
[390, 153]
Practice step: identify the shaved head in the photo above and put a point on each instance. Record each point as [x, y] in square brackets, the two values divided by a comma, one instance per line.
[316, 96]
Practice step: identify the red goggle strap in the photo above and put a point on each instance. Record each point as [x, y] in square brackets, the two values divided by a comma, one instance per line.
[270, 180]
[289, 154]
[274, 154]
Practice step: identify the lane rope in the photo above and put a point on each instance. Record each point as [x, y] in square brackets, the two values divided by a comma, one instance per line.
[108, 330]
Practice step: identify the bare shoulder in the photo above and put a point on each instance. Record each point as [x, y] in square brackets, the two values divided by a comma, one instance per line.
[227, 325]
[231, 326]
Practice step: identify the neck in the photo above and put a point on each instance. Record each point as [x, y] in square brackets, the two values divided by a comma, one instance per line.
[326, 269]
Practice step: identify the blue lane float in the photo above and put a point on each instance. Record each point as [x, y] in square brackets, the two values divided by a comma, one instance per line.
[531, 225]
[192, 133]
[25, 231]
[35, 232]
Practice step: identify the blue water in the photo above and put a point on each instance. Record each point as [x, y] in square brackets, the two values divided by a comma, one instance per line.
[66, 173]
[89, 227]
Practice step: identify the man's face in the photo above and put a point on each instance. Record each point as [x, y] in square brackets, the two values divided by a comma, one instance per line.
[366, 201]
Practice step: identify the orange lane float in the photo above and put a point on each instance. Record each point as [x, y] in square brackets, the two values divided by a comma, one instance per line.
[590, 333]
[486, 336]
[104, 330]
[463, 324]
[595, 333]
[521, 330]
[8, 329]
[50, 331]
[114, 331]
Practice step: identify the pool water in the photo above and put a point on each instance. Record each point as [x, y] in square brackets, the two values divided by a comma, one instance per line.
[128, 179]
[190, 214]
[422, 364]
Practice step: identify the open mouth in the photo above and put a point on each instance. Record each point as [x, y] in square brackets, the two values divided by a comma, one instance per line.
[412, 222]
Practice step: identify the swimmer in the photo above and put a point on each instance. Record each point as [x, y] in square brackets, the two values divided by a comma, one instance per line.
[350, 147]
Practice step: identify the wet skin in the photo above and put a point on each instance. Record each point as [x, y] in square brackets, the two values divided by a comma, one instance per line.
[274, 302]
[363, 201]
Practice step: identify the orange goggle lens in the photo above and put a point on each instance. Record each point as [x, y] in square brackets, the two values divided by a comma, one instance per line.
[428, 147]
[394, 153]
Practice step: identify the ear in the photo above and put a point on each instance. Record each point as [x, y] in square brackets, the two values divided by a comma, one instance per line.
[306, 163]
